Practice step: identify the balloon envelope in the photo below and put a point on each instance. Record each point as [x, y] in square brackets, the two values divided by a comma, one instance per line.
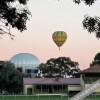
[59, 37]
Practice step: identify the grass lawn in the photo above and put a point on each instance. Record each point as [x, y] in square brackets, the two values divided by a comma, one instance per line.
[42, 98]
[93, 98]
[32, 98]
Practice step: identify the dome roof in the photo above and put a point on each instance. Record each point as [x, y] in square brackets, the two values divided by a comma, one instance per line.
[25, 60]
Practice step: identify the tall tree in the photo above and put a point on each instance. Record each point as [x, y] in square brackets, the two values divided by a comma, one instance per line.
[13, 16]
[59, 67]
[96, 60]
[11, 80]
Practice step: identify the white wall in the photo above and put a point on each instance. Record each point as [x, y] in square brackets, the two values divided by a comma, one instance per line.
[97, 90]
[74, 88]
[82, 83]
[25, 88]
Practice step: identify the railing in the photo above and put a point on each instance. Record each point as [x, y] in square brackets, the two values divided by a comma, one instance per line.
[47, 91]
[34, 97]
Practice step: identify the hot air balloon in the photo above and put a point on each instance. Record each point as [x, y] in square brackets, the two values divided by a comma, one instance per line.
[59, 37]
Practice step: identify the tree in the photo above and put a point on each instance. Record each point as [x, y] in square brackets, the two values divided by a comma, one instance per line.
[14, 17]
[87, 2]
[59, 67]
[96, 60]
[92, 24]
[11, 80]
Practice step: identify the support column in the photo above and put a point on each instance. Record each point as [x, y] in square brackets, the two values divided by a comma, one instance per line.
[33, 89]
[48, 90]
[62, 88]
[41, 88]
[52, 89]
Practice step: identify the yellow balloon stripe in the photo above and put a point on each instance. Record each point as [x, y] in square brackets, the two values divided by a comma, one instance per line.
[59, 37]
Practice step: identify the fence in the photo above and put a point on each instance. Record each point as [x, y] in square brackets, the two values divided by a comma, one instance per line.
[34, 97]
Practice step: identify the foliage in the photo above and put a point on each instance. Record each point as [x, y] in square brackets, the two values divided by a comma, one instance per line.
[59, 67]
[90, 23]
[96, 60]
[11, 80]
[14, 17]
[87, 2]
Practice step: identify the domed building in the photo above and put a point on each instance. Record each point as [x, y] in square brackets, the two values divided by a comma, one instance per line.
[26, 63]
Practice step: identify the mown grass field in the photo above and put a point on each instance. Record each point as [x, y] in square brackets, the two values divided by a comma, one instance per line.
[32, 98]
[43, 98]
[95, 97]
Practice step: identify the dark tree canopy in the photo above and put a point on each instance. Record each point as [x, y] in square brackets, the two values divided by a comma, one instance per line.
[87, 2]
[96, 60]
[59, 67]
[92, 25]
[11, 80]
[14, 17]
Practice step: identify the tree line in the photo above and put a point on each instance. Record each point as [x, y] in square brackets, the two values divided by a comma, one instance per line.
[11, 79]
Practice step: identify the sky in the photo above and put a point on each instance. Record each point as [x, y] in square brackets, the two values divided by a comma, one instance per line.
[49, 16]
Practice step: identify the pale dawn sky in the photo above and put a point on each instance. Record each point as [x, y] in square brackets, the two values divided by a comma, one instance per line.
[49, 16]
